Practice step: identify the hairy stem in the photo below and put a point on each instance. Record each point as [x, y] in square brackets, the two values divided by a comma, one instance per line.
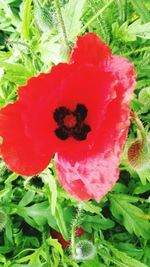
[73, 230]
[61, 22]
[139, 125]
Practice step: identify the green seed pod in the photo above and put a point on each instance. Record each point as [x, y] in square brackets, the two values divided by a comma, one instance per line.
[3, 220]
[85, 250]
[139, 155]
[43, 18]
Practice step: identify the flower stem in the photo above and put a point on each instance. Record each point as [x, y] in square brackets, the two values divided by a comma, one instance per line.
[73, 244]
[95, 16]
[139, 125]
[73, 230]
[61, 22]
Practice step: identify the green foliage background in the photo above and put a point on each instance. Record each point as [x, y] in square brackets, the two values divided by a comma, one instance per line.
[31, 42]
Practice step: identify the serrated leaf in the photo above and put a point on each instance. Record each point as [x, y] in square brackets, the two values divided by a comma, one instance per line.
[17, 73]
[88, 206]
[96, 222]
[130, 216]
[54, 243]
[72, 13]
[144, 96]
[123, 257]
[43, 18]
[141, 9]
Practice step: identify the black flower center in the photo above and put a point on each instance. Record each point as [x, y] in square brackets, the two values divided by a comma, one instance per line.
[71, 123]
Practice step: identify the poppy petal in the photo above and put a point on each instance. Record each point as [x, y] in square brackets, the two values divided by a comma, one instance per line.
[87, 86]
[94, 176]
[88, 179]
[26, 125]
[25, 128]
[89, 49]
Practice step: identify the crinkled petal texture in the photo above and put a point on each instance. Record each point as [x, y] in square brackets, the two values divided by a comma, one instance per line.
[95, 79]
[97, 173]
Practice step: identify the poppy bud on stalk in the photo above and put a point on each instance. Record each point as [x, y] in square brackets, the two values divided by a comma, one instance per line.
[139, 150]
[85, 250]
[139, 155]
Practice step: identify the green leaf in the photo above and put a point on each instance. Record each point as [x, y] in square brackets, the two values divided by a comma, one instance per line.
[4, 192]
[96, 222]
[17, 73]
[54, 243]
[50, 51]
[43, 18]
[95, 262]
[123, 258]
[72, 13]
[51, 189]
[12, 177]
[27, 198]
[144, 97]
[4, 55]
[130, 216]
[9, 230]
[32, 214]
[2, 259]
[88, 206]
[141, 9]
[27, 16]
[141, 30]
[122, 32]
[59, 216]
[140, 189]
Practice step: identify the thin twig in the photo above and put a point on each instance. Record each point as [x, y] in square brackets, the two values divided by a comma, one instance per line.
[61, 22]
[139, 125]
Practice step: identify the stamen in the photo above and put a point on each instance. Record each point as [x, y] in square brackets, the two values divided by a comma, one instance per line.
[61, 133]
[59, 114]
[71, 123]
[81, 133]
[81, 112]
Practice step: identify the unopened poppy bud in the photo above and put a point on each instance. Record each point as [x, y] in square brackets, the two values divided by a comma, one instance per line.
[3, 220]
[85, 250]
[43, 18]
[139, 155]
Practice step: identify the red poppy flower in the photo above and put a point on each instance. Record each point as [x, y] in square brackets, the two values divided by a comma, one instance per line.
[62, 241]
[79, 112]
[60, 238]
